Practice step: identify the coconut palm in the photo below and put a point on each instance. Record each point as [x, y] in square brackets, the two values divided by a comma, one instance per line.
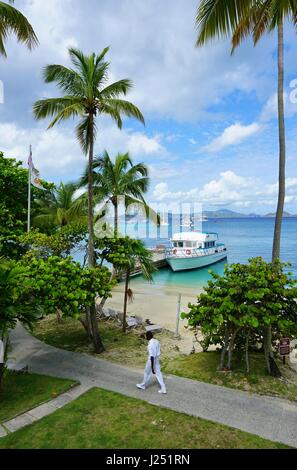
[13, 21]
[86, 96]
[121, 179]
[240, 18]
[61, 207]
[127, 254]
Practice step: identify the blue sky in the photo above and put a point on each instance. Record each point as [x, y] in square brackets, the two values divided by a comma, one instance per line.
[211, 124]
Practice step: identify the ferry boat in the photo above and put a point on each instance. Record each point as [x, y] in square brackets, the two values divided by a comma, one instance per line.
[192, 250]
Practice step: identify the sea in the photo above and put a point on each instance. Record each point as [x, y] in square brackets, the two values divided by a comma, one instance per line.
[244, 237]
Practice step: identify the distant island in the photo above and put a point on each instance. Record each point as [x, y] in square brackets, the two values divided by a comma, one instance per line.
[229, 214]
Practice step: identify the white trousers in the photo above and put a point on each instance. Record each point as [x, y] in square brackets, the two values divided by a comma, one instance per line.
[148, 373]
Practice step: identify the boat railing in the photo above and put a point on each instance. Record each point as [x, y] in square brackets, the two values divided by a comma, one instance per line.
[196, 252]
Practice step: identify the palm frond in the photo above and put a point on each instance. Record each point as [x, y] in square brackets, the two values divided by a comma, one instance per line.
[13, 21]
[116, 89]
[50, 107]
[125, 108]
[219, 18]
[86, 133]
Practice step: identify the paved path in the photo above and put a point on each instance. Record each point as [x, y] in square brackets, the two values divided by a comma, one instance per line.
[271, 418]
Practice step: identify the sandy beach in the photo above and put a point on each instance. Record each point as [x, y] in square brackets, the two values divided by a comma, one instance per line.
[159, 305]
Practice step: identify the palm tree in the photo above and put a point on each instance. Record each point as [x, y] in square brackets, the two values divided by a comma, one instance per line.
[86, 97]
[12, 21]
[240, 18]
[61, 207]
[126, 254]
[120, 179]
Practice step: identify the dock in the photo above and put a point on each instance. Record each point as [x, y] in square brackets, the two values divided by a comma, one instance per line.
[159, 260]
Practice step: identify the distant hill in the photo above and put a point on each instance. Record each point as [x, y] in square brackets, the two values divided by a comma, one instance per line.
[286, 214]
[227, 214]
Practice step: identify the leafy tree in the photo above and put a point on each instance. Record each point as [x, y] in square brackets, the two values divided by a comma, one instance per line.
[15, 303]
[238, 307]
[126, 254]
[86, 97]
[59, 243]
[61, 207]
[14, 203]
[240, 18]
[12, 21]
[120, 179]
[60, 284]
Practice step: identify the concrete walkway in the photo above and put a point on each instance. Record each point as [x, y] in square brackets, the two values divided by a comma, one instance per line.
[270, 418]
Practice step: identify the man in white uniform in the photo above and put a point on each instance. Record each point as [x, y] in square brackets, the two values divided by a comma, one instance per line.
[1, 358]
[153, 363]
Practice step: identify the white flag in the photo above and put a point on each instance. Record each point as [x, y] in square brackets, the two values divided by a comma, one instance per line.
[35, 176]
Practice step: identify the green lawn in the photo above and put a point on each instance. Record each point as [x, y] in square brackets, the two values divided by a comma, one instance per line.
[203, 367]
[22, 392]
[70, 335]
[130, 350]
[102, 419]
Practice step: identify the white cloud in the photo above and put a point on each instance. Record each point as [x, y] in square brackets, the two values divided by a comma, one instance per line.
[192, 141]
[57, 153]
[229, 189]
[232, 135]
[165, 67]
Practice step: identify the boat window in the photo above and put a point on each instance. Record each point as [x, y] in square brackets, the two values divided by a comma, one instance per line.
[180, 244]
[188, 244]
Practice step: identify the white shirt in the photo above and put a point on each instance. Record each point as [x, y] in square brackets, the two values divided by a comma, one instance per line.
[153, 348]
[1, 352]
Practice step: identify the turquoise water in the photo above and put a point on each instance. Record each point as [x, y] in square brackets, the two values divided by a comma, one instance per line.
[245, 238]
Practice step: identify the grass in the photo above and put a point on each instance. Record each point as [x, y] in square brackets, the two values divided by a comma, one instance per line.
[22, 392]
[130, 350]
[203, 367]
[102, 419]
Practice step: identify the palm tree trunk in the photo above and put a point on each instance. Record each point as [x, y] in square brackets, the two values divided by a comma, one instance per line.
[282, 171]
[91, 251]
[91, 311]
[126, 299]
[116, 214]
[282, 147]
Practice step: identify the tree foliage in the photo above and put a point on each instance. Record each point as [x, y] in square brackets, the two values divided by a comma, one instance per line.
[126, 254]
[14, 203]
[237, 308]
[13, 21]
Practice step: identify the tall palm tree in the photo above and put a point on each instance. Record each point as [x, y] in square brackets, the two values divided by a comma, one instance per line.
[121, 179]
[86, 96]
[61, 207]
[238, 19]
[13, 21]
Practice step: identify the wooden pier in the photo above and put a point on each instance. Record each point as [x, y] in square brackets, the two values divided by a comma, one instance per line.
[159, 260]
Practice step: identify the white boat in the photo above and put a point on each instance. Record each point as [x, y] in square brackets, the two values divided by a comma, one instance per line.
[192, 250]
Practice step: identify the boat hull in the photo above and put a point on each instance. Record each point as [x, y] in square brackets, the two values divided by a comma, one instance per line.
[196, 262]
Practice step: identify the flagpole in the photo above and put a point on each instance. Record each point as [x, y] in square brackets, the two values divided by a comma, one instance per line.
[29, 193]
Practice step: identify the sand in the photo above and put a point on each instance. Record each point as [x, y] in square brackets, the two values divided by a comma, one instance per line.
[159, 305]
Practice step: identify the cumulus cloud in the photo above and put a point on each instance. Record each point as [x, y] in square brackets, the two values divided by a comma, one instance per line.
[57, 154]
[229, 189]
[233, 135]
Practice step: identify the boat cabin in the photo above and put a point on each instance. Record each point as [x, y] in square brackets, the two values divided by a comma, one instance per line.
[194, 240]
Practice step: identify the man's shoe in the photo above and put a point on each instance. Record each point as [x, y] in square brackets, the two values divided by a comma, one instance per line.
[142, 387]
[162, 391]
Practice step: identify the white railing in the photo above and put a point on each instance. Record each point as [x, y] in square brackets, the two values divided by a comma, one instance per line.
[193, 252]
